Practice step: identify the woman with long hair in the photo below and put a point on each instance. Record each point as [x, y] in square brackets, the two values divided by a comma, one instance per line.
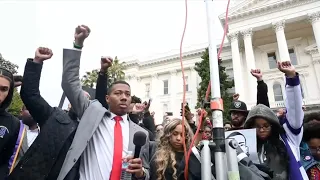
[279, 137]
[165, 163]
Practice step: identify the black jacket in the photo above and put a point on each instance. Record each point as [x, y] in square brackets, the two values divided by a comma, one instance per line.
[9, 129]
[45, 157]
[101, 91]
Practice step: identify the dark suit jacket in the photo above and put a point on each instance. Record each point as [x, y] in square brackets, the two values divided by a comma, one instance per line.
[44, 158]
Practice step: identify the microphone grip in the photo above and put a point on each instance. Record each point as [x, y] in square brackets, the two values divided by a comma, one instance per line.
[137, 152]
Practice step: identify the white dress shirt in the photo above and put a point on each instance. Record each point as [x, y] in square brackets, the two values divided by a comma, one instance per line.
[32, 134]
[96, 161]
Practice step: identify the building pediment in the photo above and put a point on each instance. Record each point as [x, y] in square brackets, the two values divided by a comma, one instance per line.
[255, 7]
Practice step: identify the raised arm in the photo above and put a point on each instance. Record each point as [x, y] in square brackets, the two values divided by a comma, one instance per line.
[70, 76]
[293, 120]
[102, 81]
[39, 109]
[262, 88]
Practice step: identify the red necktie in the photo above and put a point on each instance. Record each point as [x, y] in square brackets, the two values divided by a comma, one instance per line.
[117, 150]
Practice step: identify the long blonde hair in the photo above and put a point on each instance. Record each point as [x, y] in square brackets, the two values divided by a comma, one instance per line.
[165, 154]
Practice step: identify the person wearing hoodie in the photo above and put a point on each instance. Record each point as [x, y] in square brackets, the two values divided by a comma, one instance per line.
[44, 158]
[279, 139]
[9, 124]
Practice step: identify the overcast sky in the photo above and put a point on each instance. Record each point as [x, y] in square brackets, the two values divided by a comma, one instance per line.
[119, 28]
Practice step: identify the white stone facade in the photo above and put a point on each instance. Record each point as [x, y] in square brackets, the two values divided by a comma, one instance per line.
[260, 32]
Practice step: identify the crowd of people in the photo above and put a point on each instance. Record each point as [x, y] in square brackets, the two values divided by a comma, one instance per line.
[93, 139]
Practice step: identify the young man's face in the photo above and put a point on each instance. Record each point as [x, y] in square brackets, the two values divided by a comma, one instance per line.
[4, 89]
[314, 146]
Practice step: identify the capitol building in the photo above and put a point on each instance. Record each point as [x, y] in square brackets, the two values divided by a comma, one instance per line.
[260, 32]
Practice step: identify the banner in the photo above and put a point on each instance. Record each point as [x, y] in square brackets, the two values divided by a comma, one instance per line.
[247, 140]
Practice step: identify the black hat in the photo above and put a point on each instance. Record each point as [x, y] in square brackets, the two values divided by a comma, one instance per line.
[238, 106]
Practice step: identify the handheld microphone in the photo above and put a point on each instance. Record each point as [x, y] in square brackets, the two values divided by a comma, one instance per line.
[139, 140]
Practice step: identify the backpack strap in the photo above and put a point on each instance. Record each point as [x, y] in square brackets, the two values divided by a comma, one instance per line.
[17, 147]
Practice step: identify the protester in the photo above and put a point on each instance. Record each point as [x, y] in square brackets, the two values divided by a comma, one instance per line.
[30, 124]
[169, 153]
[281, 155]
[45, 156]
[109, 132]
[10, 127]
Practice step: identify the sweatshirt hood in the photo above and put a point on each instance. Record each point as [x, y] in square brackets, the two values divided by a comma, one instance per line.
[4, 73]
[264, 112]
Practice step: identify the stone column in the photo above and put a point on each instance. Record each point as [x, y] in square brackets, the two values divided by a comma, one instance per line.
[134, 85]
[251, 64]
[315, 20]
[193, 86]
[281, 40]
[155, 86]
[236, 63]
[173, 90]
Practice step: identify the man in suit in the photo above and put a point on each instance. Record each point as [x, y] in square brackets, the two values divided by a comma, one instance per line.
[102, 136]
[44, 158]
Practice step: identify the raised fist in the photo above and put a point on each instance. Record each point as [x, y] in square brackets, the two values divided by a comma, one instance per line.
[80, 34]
[256, 73]
[287, 68]
[137, 108]
[42, 54]
[106, 62]
[236, 97]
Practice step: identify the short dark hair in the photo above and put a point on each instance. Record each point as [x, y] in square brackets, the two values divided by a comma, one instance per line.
[227, 122]
[311, 130]
[135, 99]
[311, 116]
[114, 83]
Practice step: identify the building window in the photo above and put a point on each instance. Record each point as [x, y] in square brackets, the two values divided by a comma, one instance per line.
[272, 59]
[187, 84]
[277, 91]
[165, 87]
[293, 57]
[147, 90]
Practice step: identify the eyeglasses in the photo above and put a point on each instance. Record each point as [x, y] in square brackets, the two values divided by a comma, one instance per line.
[264, 128]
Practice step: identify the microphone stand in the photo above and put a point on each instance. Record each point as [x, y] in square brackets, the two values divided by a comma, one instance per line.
[229, 170]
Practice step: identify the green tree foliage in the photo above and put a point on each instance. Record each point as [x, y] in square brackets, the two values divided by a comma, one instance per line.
[16, 104]
[203, 70]
[115, 73]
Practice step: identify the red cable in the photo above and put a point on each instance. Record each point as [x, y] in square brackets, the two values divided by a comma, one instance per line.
[187, 154]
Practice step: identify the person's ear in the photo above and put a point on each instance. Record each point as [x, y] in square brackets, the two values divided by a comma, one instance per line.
[107, 99]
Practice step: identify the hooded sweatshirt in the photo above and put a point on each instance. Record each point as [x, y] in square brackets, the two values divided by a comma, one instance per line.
[286, 165]
[9, 127]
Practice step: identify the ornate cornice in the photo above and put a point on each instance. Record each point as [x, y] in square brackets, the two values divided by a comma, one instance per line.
[279, 25]
[173, 72]
[314, 17]
[317, 61]
[172, 57]
[247, 33]
[155, 76]
[234, 36]
[246, 11]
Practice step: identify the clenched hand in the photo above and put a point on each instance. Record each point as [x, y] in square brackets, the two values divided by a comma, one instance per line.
[42, 54]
